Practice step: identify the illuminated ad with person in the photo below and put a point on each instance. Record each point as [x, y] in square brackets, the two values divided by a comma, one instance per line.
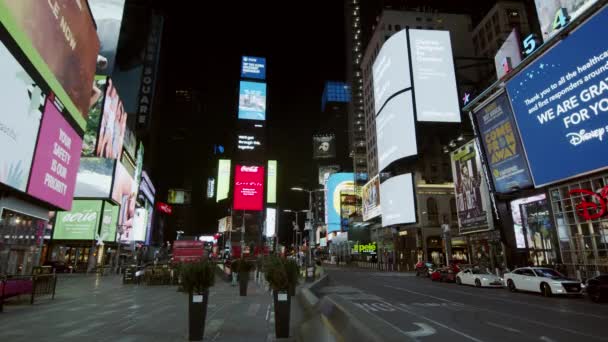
[56, 161]
[371, 199]
[252, 101]
[123, 194]
[502, 146]
[271, 195]
[113, 125]
[249, 188]
[94, 178]
[324, 146]
[223, 179]
[560, 102]
[253, 67]
[337, 184]
[518, 220]
[80, 223]
[397, 200]
[59, 39]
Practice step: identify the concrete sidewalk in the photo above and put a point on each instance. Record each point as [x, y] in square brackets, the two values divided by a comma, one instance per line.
[103, 309]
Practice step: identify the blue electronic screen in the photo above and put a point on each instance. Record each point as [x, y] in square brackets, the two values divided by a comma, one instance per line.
[252, 101]
[337, 184]
[560, 103]
[253, 67]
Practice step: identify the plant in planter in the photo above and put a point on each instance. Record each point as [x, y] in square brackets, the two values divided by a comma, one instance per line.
[278, 274]
[293, 273]
[197, 278]
[243, 267]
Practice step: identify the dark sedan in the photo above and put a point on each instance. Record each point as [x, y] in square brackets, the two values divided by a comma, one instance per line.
[597, 288]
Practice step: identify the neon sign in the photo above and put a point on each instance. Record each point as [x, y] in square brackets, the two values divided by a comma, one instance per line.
[594, 209]
[368, 248]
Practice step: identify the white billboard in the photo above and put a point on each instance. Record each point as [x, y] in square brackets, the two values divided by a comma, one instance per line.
[140, 221]
[396, 130]
[434, 76]
[391, 69]
[271, 221]
[397, 200]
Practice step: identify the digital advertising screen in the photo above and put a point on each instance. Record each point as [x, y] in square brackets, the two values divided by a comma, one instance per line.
[113, 125]
[549, 16]
[178, 196]
[516, 215]
[371, 199]
[80, 223]
[109, 222]
[337, 183]
[397, 200]
[324, 146]
[22, 106]
[252, 101]
[59, 38]
[123, 194]
[91, 133]
[271, 222]
[140, 223]
[223, 179]
[108, 18]
[147, 188]
[249, 188]
[130, 143]
[253, 67]
[502, 146]
[348, 206]
[250, 143]
[56, 161]
[271, 195]
[210, 187]
[433, 71]
[325, 171]
[560, 103]
[396, 130]
[509, 54]
[391, 69]
[94, 178]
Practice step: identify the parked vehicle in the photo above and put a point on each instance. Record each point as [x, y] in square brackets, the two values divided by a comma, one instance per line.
[478, 278]
[445, 273]
[542, 280]
[59, 266]
[597, 288]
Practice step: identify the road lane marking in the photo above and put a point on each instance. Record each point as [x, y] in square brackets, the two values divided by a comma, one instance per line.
[500, 326]
[546, 339]
[425, 330]
[575, 332]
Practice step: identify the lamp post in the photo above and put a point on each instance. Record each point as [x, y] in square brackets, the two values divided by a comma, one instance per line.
[296, 227]
[311, 231]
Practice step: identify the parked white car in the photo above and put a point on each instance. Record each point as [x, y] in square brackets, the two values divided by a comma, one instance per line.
[478, 278]
[542, 280]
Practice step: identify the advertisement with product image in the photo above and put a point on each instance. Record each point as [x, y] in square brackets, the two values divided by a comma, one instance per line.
[560, 102]
[91, 132]
[22, 104]
[123, 194]
[57, 158]
[249, 188]
[502, 146]
[80, 223]
[113, 125]
[337, 184]
[371, 199]
[252, 101]
[109, 222]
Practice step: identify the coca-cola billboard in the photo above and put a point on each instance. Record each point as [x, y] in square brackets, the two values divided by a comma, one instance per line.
[249, 188]
[81, 223]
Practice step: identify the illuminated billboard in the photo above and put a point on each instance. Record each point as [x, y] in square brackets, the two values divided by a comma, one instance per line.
[123, 194]
[252, 101]
[271, 222]
[337, 183]
[113, 125]
[324, 146]
[391, 69]
[560, 105]
[80, 223]
[108, 18]
[177, 196]
[397, 200]
[509, 55]
[554, 15]
[210, 187]
[371, 199]
[140, 224]
[59, 39]
[253, 67]
[271, 196]
[325, 171]
[249, 142]
[249, 188]
[396, 130]
[56, 161]
[94, 178]
[109, 222]
[223, 179]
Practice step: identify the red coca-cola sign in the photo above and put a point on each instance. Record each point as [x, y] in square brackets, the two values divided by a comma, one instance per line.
[164, 208]
[593, 209]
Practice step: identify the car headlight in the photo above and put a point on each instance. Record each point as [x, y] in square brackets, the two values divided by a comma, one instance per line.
[484, 279]
[501, 280]
[583, 286]
[556, 283]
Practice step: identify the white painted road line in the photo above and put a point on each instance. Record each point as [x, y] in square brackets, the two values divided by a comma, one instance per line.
[425, 330]
[504, 327]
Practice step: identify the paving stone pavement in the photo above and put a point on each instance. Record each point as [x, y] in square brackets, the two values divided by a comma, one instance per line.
[97, 308]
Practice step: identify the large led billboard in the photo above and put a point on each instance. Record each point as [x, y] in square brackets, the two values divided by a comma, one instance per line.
[80, 223]
[22, 105]
[253, 67]
[56, 161]
[223, 179]
[140, 224]
[560, 104]
[113, 125]
[271, 222]
[59, 39]
[126, 197]
[250, 143]
[337, 184]
[249, 188]
[109, 222]
[91, 132]
[252, 101]
[397, 200]
[325, 171]
[391, 69]
[553, 15]
[396, 130]
[324, 146]
[94, 178]
[433, 74]
[371, 199]
[271, 195]
[108, 18]
[509, 55]
[502, 146]
[178, 196]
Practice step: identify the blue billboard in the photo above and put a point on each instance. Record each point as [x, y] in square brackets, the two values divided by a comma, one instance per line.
[560, 102]
[252, 101]
[502, 146]
[253, 67]
[337, 184]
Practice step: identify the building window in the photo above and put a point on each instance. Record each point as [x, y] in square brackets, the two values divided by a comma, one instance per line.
[418, 19]
[390, 27]
[397, 27]
[431, 210]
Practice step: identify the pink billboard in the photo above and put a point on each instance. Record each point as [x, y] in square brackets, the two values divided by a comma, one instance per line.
[56, 160]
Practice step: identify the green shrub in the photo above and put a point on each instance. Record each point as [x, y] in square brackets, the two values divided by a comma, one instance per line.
[198, 276]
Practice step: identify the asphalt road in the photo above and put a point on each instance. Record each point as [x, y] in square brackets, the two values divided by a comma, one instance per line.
[424, 310]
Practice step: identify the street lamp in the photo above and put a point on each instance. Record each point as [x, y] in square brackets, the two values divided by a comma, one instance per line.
[296, 229]
[311, 232]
